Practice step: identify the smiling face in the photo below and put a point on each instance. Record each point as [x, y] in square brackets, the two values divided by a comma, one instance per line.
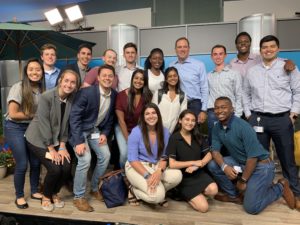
[138, 81]
[188, 122]
[130, 55]
[223, 110]
[34, 72]
[218, 55]
[68, 83]
[269, 51]
[172, 78]
[243, 44]
[84, 56]
[182, 49]
[110, 58]
[105, 78]
[156, 60]
[49, 57]
[151, 117]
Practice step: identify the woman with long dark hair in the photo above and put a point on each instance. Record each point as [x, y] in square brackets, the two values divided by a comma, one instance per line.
[171, 100]
[129, 105]
[22, 102]
[146, 168]
[189, 151]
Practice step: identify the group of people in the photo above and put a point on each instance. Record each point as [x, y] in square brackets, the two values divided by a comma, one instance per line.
[154, 114]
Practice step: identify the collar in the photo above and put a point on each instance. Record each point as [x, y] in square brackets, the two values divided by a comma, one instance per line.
[102, 93]
[228, 126]
[270, 66]
[80, 69]
[187, 60]
[225, 69]
[250, 57]
[134, 68]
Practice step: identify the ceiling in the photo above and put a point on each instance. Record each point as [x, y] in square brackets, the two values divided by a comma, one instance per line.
[29, 10]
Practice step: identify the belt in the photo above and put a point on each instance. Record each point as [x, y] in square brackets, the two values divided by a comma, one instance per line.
[193, 100]
[268, 160]
[210, 109]
[271, 114]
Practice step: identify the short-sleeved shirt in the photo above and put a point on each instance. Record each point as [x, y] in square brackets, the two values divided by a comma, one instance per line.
[240, 140]
[15, 94]
[122, 105]
[137, 150]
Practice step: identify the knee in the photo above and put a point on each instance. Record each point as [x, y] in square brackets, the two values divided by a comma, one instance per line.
[174, 177]
[158, 197]
[212, 189]
[84, 161]
[21, 166]
[201, 207]
[251, 208]
[55, 170]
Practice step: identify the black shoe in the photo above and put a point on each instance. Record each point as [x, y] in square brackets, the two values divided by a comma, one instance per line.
[23, 206]
[36, 198]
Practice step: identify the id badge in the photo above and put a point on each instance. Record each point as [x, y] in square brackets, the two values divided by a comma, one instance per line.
[95, 135]
[258, 129]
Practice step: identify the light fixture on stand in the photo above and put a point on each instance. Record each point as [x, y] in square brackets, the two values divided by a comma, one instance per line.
[55, 19]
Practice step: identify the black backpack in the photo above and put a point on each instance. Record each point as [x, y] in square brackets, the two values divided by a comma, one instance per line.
[161, 92]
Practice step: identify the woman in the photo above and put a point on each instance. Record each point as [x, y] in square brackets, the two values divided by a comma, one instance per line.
[146, 168]
[47, 135]
[22, 103]
[171, 100]
[129, 105]
[154, 65]
[189, 151]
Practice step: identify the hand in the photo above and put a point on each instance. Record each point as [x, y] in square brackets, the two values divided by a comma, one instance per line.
[202, 117]
[80, 149]
[153, 180]
[241, 186]
[191, 169]
[292, 114]
[198, 163]
[102, 139]
[289, 66]
[64, 155]
[230, 172]
[56, 158]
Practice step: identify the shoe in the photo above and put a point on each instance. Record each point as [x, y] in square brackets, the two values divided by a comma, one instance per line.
[36, 198]
[225, 198]
[297, 203]
[97, 195]
[58, 203]
[47, 205]
[164, 203]
[287, 193]
[21, 206]
[82, 205]
[132, 199]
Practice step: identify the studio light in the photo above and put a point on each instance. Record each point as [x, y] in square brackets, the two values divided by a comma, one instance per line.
[74, 14]
[54, 17]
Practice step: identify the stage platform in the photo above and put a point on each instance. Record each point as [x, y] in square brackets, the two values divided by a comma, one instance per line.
[178, 213]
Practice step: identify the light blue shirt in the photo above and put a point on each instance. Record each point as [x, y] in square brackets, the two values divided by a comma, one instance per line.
[193, 79]
[270, 89]
[50, 78]
[137, 150]
[225, 83]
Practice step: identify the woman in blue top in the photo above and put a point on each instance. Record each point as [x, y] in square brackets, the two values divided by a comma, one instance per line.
[146, 167]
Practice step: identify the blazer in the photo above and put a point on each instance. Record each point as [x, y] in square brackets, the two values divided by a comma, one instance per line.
[84, 114]
[46, 128]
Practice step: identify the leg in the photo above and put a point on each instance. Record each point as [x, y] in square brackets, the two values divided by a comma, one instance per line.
[199, 203]
[211, 189]
[171, 178]
[122, 146]
[35, 166]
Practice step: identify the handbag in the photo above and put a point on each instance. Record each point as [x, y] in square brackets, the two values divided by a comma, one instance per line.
[297, 147]
[113, 188]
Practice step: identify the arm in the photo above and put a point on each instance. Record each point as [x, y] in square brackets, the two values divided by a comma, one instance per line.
[238, 95]
[183, 104]
[248, 170]
[15, 113]
[246, 101]
[295, 87]
[230, 172]
[123, 126]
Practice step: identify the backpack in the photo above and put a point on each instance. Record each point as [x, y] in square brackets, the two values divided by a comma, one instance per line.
[161, 92]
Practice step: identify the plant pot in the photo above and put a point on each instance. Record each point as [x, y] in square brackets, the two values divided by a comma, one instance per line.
[3, 170]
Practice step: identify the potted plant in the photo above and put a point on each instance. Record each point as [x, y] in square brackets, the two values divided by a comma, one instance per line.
[6, 160]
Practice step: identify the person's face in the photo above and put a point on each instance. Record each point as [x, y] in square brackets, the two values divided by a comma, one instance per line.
[110, 58]
[218, 55]
[138, 81]
[172, 78]
[188, 122]
[130, 55]
[106, 78]
[68, 83]
[49, 57]
[182, 49]
[243, 44]
[269, 51]
[223, 110]
[151, 117]
[34, 72]
[156, 60]
[84, 56]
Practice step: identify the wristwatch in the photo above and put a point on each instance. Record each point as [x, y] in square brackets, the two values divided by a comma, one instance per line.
[242, 180]
[146, 175]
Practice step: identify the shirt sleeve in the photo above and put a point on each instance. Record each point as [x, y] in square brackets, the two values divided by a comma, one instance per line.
[120, 102]
[295, 87]
[203, 86]
[171, 150]
[246, 95]
[166, 140]
[15, 94]
[238, 95]
[91, 76]
[133, 144]
[216, 144]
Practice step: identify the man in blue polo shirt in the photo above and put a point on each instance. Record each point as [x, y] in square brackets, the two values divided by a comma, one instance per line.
[248, 163]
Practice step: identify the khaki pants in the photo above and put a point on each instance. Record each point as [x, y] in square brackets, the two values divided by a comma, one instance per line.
[170, 178]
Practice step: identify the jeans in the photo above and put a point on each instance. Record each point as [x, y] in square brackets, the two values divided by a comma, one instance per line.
[103, 155]
[260, 191]
[14, 136]
[122, 144]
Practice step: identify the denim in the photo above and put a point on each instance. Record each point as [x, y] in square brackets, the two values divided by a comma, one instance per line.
[14, 136]
[84, 161]
[122, 144]
[211, 121]
[260, 192]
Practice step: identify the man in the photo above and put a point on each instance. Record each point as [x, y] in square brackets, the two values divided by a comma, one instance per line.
[84, 56]
[271, 101]
[109, 57]
[248, 163]
[222, 81]
[124, 72]
[91, 121]
[193, 80]
[48, 56]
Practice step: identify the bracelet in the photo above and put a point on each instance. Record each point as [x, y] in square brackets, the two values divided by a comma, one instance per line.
[60, 149]
[223, 166]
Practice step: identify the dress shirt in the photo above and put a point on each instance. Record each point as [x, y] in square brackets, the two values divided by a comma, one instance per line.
[124, 76]
[270, 89]
[242, 66]
[193, 79]
[51, 77]
[82, 72]
[103, 106]
[225, 83]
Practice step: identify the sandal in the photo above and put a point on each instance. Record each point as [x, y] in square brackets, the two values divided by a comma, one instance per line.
[47, 205]
[132, 199]
[164, 203]
[58, 203]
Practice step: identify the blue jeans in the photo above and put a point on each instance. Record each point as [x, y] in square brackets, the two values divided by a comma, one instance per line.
[211, 121]
[260, 191]
[84, 162]
[122, 144]
[14, 136]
